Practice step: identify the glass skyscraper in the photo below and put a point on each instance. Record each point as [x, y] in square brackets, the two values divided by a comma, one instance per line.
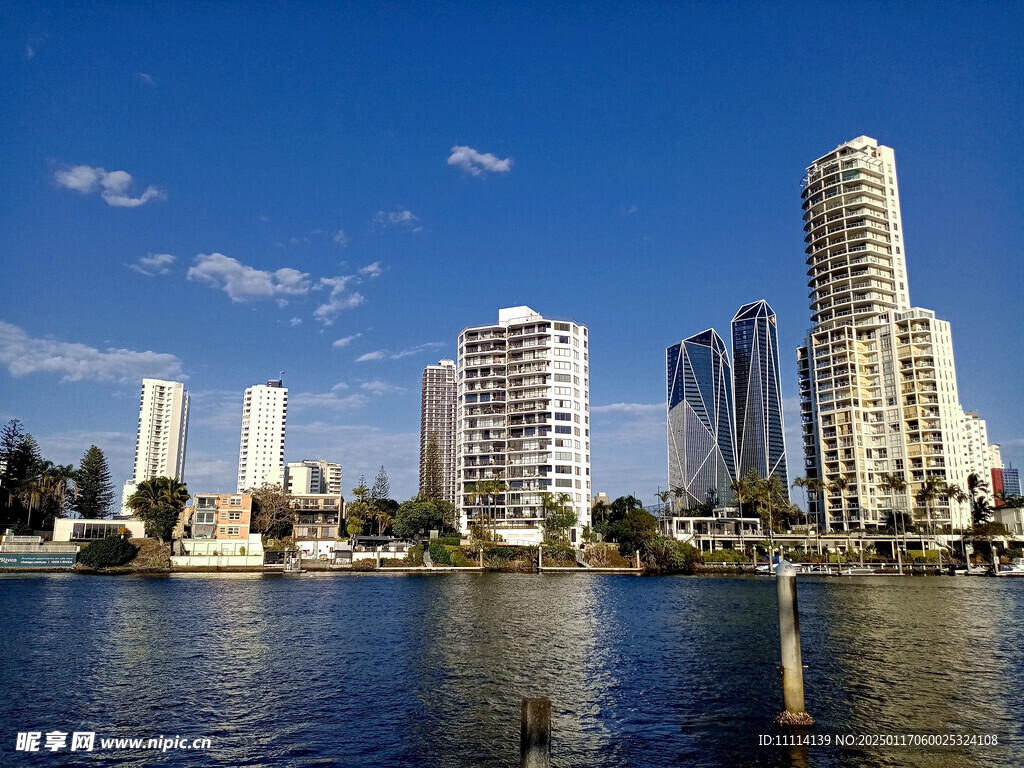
[701, 460]
[760, 441]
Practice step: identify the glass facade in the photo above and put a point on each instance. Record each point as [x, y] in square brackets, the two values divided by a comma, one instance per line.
[760, 436]
[700, 421]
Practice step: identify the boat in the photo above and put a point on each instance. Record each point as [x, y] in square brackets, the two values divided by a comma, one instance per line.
[1016, 568]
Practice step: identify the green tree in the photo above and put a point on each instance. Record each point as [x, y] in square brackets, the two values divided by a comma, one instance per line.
[636, 530]
[976, 487]
[560, 518]
[95, 490]
[419, 516]
[273, 513]
[381, 487]
[432, 485]
[158, 503]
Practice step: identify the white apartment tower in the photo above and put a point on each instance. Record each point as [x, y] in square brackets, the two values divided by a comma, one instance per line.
[877, 378]
[437, 420]
[312, 476]
[160, 442]
[523, 422]
[261, 455]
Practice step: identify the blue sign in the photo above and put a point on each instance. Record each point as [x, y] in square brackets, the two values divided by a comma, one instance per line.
[37, 559]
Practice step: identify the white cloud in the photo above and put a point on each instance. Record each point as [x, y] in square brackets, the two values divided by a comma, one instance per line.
[371, 270]
[23, 354]
[478, 163]
[153, 264]
[113, 186]
[378, 387]
[416, 350]
[244, 283]
[382, 354]
[300, 401]
[345, 341]
[338, 299]
[340, 238]
[634, 409]
[398, 218]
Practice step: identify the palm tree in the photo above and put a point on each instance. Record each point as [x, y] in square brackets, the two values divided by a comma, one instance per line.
[842, 485]
[930, 489]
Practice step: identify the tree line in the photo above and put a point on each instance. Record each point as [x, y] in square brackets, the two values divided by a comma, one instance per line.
[34, 491]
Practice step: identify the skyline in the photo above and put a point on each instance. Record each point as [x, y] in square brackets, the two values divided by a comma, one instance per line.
[340, 208]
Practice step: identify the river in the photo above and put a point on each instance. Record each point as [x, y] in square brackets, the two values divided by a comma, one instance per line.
[429, 670]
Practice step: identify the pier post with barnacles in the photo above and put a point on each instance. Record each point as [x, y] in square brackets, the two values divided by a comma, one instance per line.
[789, 635]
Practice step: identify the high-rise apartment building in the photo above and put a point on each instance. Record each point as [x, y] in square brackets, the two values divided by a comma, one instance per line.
[312, 476]
[261, 455]
[437, 423]
[701, 457]
[160, 442]
[523, 422]
[757, 394]
[877, 379]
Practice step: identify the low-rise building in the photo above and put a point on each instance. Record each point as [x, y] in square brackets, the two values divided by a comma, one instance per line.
[91, 529]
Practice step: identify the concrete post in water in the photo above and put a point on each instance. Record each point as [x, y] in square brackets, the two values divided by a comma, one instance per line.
[535, 734]
[789, 634]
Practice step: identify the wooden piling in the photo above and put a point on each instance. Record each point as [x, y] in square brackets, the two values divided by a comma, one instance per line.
[789, 635]
[535, 734]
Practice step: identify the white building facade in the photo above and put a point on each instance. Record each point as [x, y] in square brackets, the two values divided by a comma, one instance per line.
[877, 378]
[261, 454]
[162, 435]
[523, 422]
[437, 421]
[313, 476]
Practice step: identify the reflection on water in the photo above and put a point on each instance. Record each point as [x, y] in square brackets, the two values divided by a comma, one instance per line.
[429, 670]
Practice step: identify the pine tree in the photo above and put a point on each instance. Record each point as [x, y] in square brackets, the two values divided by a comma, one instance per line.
[95, 490]
[381, 487]
[433, 475]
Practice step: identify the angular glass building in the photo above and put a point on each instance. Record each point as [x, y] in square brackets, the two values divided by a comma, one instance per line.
[757, 388]
[701, 461]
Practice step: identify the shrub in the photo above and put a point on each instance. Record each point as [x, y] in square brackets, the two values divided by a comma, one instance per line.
[108, 553]
[439, 553]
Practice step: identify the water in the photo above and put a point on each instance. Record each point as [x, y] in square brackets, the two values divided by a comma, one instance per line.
[429, 670]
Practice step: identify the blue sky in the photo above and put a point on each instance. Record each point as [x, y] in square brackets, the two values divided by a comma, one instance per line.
[220, 192]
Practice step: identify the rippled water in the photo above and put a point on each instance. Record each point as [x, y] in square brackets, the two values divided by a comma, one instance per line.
[429, 670]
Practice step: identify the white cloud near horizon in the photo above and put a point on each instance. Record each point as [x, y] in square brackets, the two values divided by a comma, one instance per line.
[398, 218]
[244, 283]
[153, 264]
[24, 355]
[478, 163]
[113, 186]
[378, 387]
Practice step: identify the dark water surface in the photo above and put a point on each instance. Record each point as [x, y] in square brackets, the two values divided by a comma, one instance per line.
[429, 670]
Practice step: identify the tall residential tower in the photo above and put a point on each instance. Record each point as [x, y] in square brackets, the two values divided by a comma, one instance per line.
[437, 423]
[523, 422]
[160, 442]
[877, 379]
[261, 454]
